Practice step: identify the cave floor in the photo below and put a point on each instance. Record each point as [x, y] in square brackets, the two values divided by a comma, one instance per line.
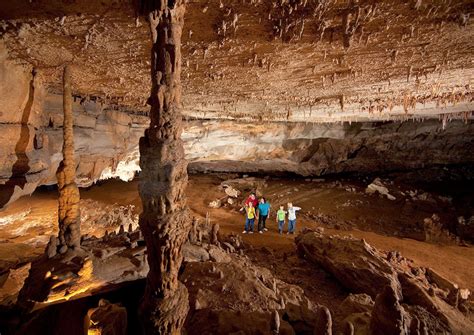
[340, 206]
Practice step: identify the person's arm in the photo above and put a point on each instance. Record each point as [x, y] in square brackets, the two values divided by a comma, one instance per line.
[296, 208]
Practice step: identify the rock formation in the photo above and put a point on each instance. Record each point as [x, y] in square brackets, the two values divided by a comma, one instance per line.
[388, 316]
[406, 297]
[356, 264]
[323, 325]
[165, 221]
[68, 211]
[106, 319]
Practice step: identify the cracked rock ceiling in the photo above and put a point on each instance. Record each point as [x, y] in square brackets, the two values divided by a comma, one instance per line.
[281, 60]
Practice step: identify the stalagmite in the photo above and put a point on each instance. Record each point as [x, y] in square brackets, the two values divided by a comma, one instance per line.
[68, 211]
[275, 322]
[165, 221]
[323, 325]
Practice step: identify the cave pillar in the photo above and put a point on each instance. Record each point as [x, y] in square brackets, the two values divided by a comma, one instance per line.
[165, 220]
[68, 211]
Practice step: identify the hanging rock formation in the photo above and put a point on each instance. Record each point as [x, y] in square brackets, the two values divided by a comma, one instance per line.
[165, 221]
[68, 211]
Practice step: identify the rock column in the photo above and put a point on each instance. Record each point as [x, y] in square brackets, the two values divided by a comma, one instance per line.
[68, 211]
[165, 220]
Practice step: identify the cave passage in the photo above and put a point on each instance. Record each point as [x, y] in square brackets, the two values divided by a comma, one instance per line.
[236, 167]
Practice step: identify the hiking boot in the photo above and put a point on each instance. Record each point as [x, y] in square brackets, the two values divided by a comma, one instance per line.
[244, 232]
[260, 232]
[265, 229]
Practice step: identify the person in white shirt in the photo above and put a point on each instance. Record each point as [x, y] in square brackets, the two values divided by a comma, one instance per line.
[292, 218]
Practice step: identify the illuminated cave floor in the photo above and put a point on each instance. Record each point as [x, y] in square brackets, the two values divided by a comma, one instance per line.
[341, 206]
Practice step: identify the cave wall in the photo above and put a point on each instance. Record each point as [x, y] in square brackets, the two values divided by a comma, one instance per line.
[31, 121]
[318, 149]
[106, 141]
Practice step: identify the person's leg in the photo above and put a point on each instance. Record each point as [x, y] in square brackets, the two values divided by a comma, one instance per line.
[260, 222]
[247, 224]
[252, 221]
[280, 226]
[290, 225]
[264, 222]
[294, 226]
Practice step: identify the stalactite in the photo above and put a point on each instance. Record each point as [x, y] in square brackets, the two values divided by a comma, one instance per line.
[165, 221]
[68, 211]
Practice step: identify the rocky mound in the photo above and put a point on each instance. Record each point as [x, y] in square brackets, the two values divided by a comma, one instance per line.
[408, 299]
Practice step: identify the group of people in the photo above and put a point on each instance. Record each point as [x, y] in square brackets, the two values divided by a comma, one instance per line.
[261, 208]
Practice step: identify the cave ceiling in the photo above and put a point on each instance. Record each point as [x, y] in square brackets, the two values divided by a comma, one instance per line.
[305, 60]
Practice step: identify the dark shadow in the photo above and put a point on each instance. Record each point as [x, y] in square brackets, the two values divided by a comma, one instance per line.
[21, 167]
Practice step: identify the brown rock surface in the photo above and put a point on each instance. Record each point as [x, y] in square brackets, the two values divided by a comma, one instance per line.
[388, 316]
[354, 263]
[239, 296]
[411, 297]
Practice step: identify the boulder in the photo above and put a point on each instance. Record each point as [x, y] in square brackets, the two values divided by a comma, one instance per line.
[388, 315]
[378, 186]
[355, 310]
[52, 247]
[106, 319]
[231, 191]
[217, 254]
[465, 228]
[356, 303]
[354, 263]
[323, 324]
[215, 204]
[194, 253]
[412, 298]
[11, 283]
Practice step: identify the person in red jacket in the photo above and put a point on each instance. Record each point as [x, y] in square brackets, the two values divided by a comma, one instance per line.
[253, 199]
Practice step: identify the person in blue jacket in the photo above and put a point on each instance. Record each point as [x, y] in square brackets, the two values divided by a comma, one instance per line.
[263, 213]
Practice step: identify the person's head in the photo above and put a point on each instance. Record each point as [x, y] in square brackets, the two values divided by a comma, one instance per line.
[252, 196]
[290, 205]
[263, 200]
[281, 207]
